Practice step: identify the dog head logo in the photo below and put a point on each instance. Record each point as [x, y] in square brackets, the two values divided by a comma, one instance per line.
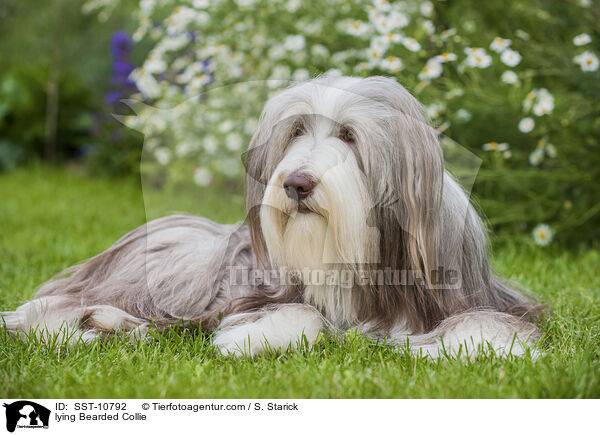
[26, 414]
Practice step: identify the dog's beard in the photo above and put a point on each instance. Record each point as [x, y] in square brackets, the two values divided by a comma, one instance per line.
[324, 233]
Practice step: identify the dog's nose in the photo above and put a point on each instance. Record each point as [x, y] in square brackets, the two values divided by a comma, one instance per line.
[298, 186]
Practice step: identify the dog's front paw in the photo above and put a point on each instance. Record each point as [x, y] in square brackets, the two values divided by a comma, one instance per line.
[278, 330]
[239, 341]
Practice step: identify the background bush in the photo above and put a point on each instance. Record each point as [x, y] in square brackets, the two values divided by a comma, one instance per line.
[515, 82]
[56, 71]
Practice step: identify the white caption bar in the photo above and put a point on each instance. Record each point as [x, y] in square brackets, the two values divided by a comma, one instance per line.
[280, 416]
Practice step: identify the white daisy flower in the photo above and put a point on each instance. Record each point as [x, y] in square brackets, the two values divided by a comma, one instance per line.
[544, 107]
[398, 19]
[210, 144]
[382, 5]
[500, 44]
[300, 75]
[202, 177]
[356, 28]
[383, 24]
[380, 42]
[431, 70]
[277, 52]
[183, 149]
[463, 115]
[426, 9]
[233, 141]
[478, 58]
[146, 83]
[587, 60]
[428, 27]
[226, 126]
[333, 72]
[445, 34]
[319, 50]
[507, 154]
[445, 57]
[374, 53]
[279, 73]
[434, 110]
[162, 155]
[251, 125]
[495, 146]
[394, 37]
[536, 157]
[454, 92]
[411, 44]
[528, 102]
[542, 234]
[179, 19]
[550, 150]
[474, 51]
[294, 42]
[155, 64]
[509, 77]
[544, 102]
[540, 100]
[147, 6]
[201, 4]
[510, 57]
[582, 39]
[445, 126]
[198, 82]
[526, 125]
[293, 5]
[245, 3]
[391, 63]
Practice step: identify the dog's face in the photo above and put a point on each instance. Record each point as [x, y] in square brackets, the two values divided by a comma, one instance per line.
[330, 152]
[315, 207]
[344, 173]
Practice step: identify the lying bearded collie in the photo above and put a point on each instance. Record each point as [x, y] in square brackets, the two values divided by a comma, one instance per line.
[352, 223]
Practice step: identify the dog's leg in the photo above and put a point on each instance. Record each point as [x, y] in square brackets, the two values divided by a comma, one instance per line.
[106, 319]
[277, 328]
[63, 316]
[471, 333]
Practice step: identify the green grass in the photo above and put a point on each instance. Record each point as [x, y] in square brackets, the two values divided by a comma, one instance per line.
[52, 218]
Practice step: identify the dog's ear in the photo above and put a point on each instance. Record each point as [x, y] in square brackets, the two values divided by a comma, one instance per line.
[420, 187]
[407, 212]
[256, 178]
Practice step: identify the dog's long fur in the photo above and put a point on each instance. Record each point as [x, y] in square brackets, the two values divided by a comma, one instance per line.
[382, 201]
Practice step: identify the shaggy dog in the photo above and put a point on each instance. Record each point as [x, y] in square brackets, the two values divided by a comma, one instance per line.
[352, 223]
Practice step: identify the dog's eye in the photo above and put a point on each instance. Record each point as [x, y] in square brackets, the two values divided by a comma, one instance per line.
[298, 130]
[346, 135]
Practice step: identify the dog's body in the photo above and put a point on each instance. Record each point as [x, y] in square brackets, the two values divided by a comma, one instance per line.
[344, 178]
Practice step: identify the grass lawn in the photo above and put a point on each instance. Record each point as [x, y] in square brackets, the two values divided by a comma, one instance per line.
[53, 218]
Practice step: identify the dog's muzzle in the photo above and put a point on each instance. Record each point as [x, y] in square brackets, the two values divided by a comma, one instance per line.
[298, 186]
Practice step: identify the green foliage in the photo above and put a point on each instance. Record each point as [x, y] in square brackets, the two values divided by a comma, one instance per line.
[482, 71]
[47, 228]
[217, 55]
[55, 46]
[23, 106]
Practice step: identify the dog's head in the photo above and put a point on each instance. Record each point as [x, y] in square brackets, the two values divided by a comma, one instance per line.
[345, 170]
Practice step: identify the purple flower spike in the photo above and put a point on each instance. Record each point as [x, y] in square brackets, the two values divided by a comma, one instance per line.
[121, 71]
[112, 97]
[120, 45]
